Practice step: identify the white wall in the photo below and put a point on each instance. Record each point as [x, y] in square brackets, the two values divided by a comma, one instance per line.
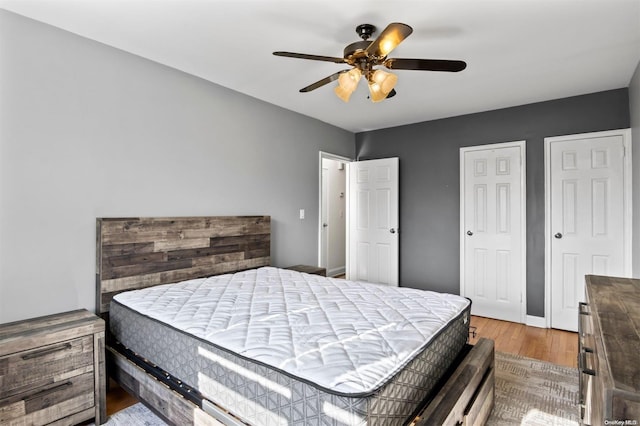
[90, 131]
[634, 110]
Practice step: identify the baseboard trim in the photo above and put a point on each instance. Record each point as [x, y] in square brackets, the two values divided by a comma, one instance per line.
[534, 321]
[336, 271]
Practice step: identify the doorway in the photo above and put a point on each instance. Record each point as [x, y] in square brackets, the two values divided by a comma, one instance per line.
[588, 217]
[333, 210]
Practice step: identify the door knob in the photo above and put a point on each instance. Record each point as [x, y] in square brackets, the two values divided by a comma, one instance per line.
[392, 230]
[324, 225]
[469, 233]
[558, 235]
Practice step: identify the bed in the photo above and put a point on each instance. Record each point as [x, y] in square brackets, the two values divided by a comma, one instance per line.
[205, 331]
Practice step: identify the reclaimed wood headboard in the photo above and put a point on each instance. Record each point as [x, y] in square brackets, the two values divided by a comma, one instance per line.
[133, 253]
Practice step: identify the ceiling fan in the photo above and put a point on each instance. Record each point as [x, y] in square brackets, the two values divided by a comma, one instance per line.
[364, 55]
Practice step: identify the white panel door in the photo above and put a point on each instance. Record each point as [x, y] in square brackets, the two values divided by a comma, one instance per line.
[373, 241]
[587, 217]
[493, 243]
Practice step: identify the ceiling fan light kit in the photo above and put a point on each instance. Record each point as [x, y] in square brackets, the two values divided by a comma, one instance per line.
[363, 56]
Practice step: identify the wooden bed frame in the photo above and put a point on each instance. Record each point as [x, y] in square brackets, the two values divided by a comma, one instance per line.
[133, 253]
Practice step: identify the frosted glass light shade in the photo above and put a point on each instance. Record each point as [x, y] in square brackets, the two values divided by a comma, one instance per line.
[381, 84]
[347, 83]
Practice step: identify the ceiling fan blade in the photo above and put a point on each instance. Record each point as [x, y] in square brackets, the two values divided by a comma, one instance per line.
[389, 39]
[320, 83]
[312, 57]
[425, 64]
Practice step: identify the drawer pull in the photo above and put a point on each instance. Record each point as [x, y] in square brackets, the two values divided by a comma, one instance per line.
[583, 308]
[46, 351]
[582, 364]
[48, 391]
[586, 343]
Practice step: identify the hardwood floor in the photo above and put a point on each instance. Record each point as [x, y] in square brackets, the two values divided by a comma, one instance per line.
[118, 398]
[556, 346]
[545, 344]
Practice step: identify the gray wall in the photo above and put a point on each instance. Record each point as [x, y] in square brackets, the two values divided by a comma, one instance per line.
[90, 131]
[634, 112]
[430, 179]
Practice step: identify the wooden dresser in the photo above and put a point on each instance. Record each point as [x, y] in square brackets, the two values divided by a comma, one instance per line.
[609, 351]
[52, 370]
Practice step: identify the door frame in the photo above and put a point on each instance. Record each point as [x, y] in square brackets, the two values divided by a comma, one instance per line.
[523, 216]
[627, 197]
[322, 155]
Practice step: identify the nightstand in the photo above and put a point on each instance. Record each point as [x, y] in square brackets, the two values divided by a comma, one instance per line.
[308, 269]
[52, 369]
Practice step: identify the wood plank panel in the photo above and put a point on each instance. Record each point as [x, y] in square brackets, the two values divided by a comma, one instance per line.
[181, 244]
[227, 264]
[144, 268]
[116, 261]
[224, 245]
[219, 259]
[126, 250]
[223, 225]
[142, 237]
[240, 240]
[452, 402]
[135, 253]
[166, 403]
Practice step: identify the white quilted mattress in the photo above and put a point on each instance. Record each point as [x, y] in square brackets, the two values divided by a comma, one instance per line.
[342, 336]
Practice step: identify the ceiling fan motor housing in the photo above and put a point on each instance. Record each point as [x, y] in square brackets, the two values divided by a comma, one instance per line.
[351, 49]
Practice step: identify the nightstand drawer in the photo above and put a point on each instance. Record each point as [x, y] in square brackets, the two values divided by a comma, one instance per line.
[55, 401]
[44, 366]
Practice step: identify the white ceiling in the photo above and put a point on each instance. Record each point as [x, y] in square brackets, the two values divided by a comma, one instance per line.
[517, 51]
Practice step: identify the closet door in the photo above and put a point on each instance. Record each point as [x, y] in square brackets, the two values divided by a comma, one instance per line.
[492, 202]
[586, 218]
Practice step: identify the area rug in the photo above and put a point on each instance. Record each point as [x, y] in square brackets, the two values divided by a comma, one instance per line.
[528, 393]
[135, 415]
[531, 392]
